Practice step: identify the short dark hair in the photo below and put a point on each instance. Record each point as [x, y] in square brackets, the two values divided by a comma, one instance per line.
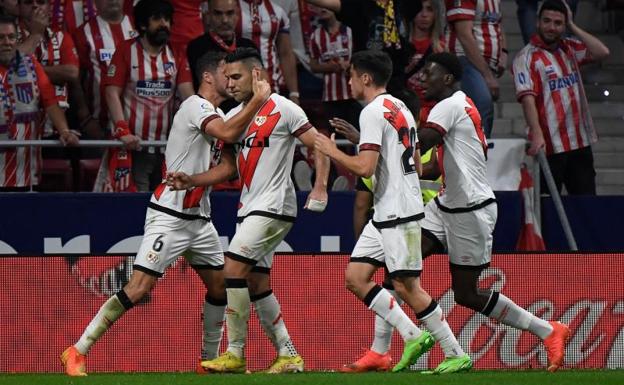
[8, 19]
[208, 62]
[145, 9]
[375, 63]
[553, 5]
[449, 61]
[248, 55]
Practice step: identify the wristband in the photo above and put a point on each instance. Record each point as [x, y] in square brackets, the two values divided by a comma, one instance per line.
[316, 206]
[293, 94]
[121, 129]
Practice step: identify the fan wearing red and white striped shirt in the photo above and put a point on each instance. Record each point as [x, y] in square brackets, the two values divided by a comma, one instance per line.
[475, 35]
[142, 80]
[550, 89]
[96, 42]
[267, 25]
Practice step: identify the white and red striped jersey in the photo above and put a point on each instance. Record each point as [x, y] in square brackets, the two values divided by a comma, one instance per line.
[387, 126]
[187, 22]
[96, 42]
[68, 15]
[265, 157]
[486, 17]
[330, 47]
[463, 153]
[57, 48]
[261, 21]
[26, 91]
[149, 84]
[190, 150]
[554, 79]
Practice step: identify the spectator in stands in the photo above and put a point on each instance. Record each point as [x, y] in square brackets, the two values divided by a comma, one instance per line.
[96, 41]
[140, 86]
[267, 25]
[27, 93]
[9, 7]
[69, 15]
[475, 34]
[527, 16]
[380, 25]
[220, 20]
[187, 22]
[330, 54]
[550, 89]
[425, 38]
[56, 52]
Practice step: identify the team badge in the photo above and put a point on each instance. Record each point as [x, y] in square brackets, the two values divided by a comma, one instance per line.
[24, 92]
[169, 68]
[152, 257]
[112, 69]
[260, 120]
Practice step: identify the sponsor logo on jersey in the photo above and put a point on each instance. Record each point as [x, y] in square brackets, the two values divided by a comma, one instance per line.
[106, 54]
[563, 82]
[154, 88]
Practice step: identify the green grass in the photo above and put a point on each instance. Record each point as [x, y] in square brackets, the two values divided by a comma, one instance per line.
[533, 377]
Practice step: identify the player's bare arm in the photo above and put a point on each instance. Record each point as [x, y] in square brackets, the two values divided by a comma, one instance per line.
[225, 170]
[317, 199]
[231, 130]
[428, 137]
[362, 164]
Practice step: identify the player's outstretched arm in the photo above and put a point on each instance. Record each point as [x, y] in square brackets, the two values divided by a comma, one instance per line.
[362, 164]
[231, 130]
[225, 170]
[317, 199]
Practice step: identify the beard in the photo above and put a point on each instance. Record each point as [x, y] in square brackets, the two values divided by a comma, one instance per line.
[159, 37]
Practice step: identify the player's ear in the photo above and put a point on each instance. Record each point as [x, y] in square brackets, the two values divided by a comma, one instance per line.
[207, 77]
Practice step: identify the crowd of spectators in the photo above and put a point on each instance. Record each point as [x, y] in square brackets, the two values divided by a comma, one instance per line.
[115, 69]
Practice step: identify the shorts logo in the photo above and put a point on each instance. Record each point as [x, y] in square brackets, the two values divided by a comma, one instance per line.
[152, 257]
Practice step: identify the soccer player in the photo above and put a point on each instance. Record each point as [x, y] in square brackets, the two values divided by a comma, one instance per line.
[387, 150]
[267, 210]
[178, 222]
[462, 217]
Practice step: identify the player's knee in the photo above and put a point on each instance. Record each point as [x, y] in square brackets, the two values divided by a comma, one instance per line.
[354, 282]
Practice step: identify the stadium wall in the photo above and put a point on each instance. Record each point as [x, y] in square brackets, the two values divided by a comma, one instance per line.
[47, 301]
[59, 223]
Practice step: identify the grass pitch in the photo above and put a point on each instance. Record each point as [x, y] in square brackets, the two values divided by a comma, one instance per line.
[533, 377]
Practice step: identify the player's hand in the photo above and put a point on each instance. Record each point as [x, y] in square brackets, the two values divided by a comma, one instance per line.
[70, 138]
[260, 87]
[493, 86]
[570, 20]
[325, 144]
[178, 181]
[345, 129]
[317, 200]
[131, 142]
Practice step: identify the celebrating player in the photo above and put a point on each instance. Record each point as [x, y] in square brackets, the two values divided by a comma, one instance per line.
[178, 222]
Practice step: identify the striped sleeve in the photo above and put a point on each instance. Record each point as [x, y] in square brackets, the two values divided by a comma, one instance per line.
[522, 72]
[460, 10]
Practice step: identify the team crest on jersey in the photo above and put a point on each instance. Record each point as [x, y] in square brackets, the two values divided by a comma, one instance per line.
[260, 120]
[24, 92]
[152, 257]
[112, 69]
[169, 68]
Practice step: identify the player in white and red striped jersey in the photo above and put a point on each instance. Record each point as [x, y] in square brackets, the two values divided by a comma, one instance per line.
[96, 41]
[26, 94]
[178, 220]
[550, 88]
[142, 80]
[267, 25]
[462, 217]
[475, 34]
[389, 152]
[267, 210]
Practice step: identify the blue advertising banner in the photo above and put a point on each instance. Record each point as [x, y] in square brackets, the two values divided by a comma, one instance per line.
[60, 223]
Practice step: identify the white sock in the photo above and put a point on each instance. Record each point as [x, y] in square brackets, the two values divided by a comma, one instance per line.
[270, 315]
[109, 312]
[436, 323]
[214, 315]
[508, 313]
[383, 330]
[386, 306]
[237, 316]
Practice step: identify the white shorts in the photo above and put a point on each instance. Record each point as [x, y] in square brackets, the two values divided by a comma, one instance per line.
[256, 239]
[467, 236]
[166, 238]
[398, 248]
